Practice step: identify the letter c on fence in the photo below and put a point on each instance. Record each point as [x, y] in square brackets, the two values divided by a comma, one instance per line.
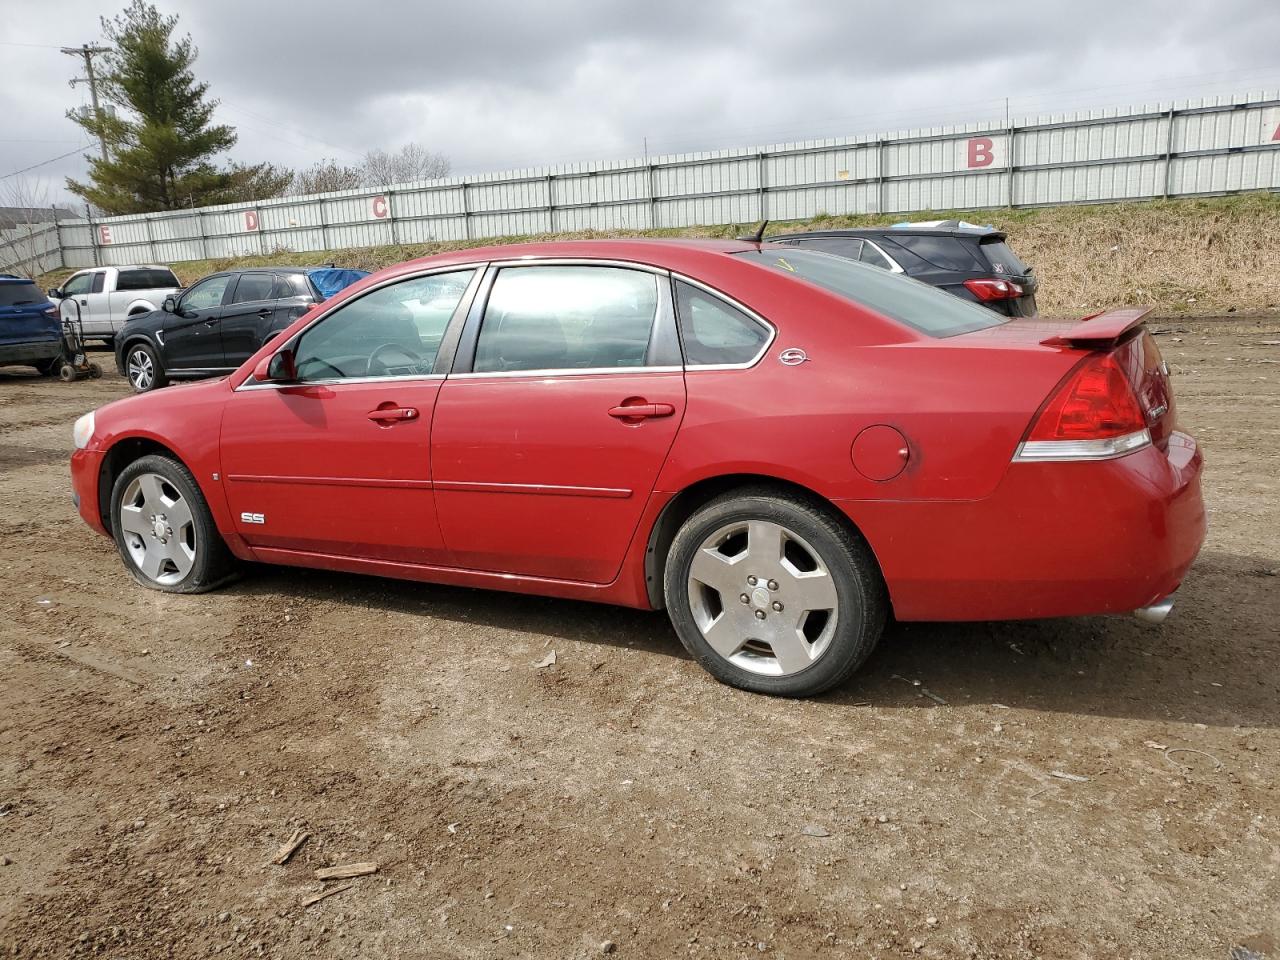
[251, 220]
[380, 208]
[104, 234]
[980, 152]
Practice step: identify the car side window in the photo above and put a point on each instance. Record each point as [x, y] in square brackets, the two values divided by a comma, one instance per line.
[78, 285]
[871, 255]
[567, 318]
[393, 331]
[848, 247]
[99, 281]
[253, 286]
[206, 294]
[714, 332]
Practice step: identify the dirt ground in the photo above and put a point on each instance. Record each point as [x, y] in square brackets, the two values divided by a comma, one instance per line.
[156, 751]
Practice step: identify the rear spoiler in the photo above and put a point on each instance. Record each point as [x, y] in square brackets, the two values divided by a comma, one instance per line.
[1100, 328]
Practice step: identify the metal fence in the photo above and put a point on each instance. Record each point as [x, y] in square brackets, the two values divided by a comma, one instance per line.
[30, 250]
[1191, 148]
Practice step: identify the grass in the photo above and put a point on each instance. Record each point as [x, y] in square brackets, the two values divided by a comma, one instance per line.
[1208, 256]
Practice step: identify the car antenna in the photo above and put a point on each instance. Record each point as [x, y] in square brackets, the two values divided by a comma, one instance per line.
[758, 237]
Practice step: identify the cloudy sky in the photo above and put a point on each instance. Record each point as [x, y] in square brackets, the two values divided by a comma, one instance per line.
[497, 85]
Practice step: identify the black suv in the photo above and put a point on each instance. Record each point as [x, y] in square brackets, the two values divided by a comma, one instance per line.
[969, 261]
[218, 323]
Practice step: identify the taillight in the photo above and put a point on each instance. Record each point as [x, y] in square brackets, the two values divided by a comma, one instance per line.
[989, 290]
[1093, 415]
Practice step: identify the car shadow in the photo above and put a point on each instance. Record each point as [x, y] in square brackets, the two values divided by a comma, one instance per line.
[1212, 662]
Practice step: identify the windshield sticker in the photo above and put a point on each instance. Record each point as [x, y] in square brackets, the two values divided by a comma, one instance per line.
[785, 266]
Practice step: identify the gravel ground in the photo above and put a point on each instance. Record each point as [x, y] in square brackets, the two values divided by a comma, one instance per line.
[156, 751]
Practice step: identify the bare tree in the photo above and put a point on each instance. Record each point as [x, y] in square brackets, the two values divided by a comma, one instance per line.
[325, 176]
[411, 162]
[28, 234]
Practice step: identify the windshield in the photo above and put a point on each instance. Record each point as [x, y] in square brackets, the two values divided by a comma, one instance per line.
[900, 298]
[19, 294]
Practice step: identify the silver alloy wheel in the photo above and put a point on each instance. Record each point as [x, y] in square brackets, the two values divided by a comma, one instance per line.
[762, 598]
[142, 372]
[158, 528]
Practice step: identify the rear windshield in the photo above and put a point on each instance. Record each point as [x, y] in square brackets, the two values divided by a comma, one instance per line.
[147, 279]
[945, 253]
[19, 294]
[1003, 260]
[900, 298]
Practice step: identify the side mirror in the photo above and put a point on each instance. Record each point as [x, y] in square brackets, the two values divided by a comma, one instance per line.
[277, 368]
[55, 293]
[170, 305]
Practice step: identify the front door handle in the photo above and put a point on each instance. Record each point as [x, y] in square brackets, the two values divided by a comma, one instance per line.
[387, 414]
[211, 321]
[641, 411]
[264, 312]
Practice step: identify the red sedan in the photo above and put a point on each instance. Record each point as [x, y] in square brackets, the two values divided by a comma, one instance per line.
[779, 447]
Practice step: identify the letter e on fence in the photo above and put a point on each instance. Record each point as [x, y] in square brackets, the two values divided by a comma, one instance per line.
[380, 208]
[981, 152]
[104, 235]
[250, 220]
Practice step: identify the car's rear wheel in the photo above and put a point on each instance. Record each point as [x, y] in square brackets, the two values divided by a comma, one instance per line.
[770, 593]
[143, 369]
[163, 528]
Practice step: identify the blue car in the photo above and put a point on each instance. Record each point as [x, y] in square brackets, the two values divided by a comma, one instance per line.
[30, 328]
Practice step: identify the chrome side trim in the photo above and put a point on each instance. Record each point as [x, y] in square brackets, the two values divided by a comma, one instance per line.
[1048, 451]
[894, 266]
[567, 372]
[336, 382]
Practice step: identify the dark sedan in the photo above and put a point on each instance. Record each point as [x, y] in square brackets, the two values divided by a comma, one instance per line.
[216, 324]
[972, 262]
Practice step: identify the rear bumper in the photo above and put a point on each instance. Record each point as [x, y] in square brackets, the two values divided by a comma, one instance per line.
[1054, 539]
[86, 466]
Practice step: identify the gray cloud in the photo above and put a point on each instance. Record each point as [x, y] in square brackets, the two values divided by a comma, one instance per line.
[509, 84]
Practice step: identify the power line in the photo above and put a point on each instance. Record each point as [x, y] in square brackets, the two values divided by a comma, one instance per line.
[42, 163]
[41, 46]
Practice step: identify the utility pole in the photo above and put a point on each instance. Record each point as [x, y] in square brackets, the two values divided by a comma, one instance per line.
[89, 52]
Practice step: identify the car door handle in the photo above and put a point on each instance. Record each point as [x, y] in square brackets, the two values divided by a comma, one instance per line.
[393, 414]
[84, 303]
[641, 411]
[264, 312]
[211, 321]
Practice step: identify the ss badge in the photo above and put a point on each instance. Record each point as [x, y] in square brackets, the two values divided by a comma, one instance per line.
[253, 518]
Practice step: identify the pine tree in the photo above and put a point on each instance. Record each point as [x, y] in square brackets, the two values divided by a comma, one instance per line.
[162, 140]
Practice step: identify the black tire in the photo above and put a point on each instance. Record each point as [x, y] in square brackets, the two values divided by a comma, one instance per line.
[859, 588]
[48, 368]
[67, 373]
[213, 563]
[139, 350]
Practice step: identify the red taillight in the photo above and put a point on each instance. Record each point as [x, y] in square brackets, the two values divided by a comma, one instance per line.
[989, 290]
[1095, 402]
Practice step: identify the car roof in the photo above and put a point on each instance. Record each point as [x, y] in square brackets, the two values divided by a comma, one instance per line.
[11, 279]
[983, 233]
[674, 253]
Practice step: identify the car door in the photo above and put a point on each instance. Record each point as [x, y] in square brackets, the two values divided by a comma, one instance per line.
[551, 430]
[247, 315]
[191, 340]
[75, 304]
[339, 462]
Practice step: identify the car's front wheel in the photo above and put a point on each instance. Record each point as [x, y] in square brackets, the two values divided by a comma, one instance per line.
[163, 529]
[770, 593]
[143, 368]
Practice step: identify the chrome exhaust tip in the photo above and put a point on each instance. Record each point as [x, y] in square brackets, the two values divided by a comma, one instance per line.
[1156, 613]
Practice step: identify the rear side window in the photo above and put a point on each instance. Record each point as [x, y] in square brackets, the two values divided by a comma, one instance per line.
[945, 253]
[567, 318]
[871, 255]
[19, 294]
[900, 298]
[254, 286]
[146, 279]
[715, 332]
[1002, 259]
[849, 247]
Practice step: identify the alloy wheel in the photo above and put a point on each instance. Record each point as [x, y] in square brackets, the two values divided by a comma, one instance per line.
[141, 371]
[763, 598]
[158, 528]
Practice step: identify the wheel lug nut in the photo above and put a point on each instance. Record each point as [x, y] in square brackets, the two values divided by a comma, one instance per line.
[759, 614]
[752, 581]
[744, 598]
[773, 584]
[777, 606]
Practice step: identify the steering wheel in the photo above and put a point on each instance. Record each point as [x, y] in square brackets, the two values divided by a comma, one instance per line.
[375, 357]
[304, 369]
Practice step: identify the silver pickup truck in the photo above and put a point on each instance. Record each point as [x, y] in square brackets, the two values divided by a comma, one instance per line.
[108, 296]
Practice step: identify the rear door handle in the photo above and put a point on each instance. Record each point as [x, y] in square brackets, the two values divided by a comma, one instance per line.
[393, 414]
[264, 312]
[641, 411]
